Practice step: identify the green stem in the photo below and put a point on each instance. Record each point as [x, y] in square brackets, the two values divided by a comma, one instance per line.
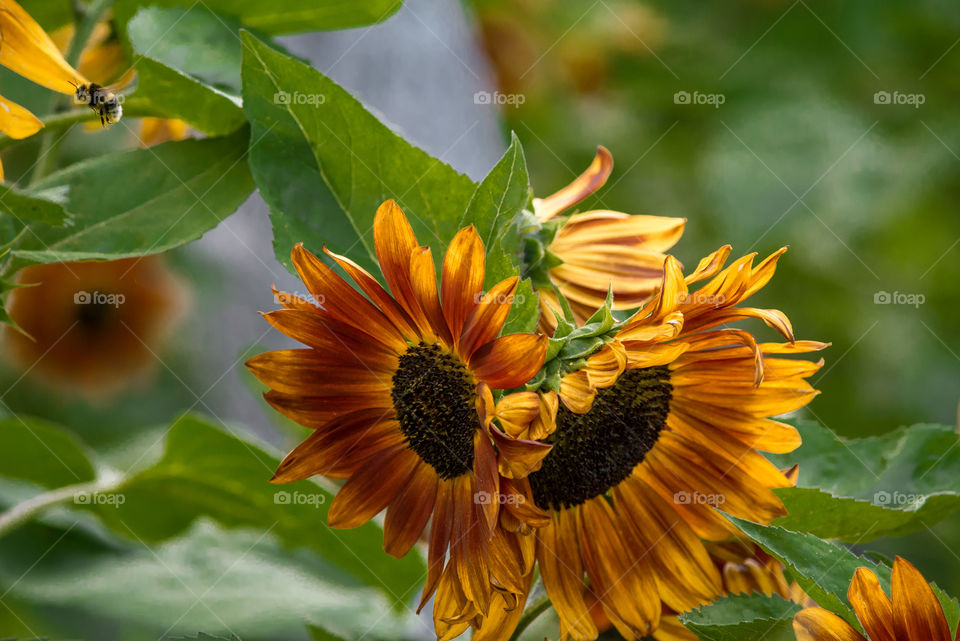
[529, 615]
[84, 29]
[28, 510]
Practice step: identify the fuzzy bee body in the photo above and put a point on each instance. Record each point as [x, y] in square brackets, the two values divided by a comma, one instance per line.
[103, 100]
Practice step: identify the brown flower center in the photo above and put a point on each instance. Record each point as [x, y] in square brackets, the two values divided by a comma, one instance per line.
[594, 452]
[434, 396]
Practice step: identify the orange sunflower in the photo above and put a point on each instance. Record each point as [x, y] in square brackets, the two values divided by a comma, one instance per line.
[656, 429]
[600, 249]
[92, 327]
[913, 614]
[395, 386]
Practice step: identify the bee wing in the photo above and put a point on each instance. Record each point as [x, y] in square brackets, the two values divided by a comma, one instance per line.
[124, 83]
[26, 49]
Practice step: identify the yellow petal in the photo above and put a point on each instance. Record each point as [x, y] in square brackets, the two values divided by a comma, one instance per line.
[26, 49]
[17, 122]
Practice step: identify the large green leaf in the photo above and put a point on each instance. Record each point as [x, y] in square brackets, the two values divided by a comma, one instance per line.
[824, 570]
[281, 16]
[35, 451]
[26, 208]
[145, 201]
[495, 209]
[188, 64]
[742, 617]
[206, 472]
[221, 581]
[362, 161]
[862, 489]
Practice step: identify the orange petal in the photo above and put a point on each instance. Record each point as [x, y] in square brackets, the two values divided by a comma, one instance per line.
[487, 318]
[407, 516]
[917, 611]
[817, 624]
[509, 361]
[585, 184]
[461, 280]
[872, 606]
[372, 488]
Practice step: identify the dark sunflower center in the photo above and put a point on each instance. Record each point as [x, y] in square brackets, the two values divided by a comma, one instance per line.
[93, 316]
[434, 398]
[593, 452]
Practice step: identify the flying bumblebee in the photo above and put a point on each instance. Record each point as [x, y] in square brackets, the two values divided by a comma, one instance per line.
[26, 49]
[105, 101]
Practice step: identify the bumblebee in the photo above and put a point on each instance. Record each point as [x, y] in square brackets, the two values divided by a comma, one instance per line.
[105, 101]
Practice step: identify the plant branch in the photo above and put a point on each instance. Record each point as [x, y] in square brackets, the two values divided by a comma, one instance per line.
[529, 615]
[26, 511]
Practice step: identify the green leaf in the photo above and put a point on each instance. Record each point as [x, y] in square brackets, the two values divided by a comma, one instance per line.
[221, 581]
[32, 208]
[742, 617]
[851, 520]
[145, 201]
[496, 209]
[321, 634]
[859, 490]
[824, 570]
[362, 161]
[206, 472]
[188, 65]
[35, 451]
[281, 16]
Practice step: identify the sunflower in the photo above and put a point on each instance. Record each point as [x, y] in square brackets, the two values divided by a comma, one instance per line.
[601, 249]
[913, 614]
[396, 387]
[657, 428]
[92, 327]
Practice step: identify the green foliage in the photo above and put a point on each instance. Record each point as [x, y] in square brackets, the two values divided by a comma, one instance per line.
[26, 208]
[160, 198]
[742, 617]
[824, 570]
[35, 451]
[281, 16]
[188, 64]
[863, 489]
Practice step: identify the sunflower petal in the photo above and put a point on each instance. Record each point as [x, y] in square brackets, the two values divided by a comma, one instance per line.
[817, 624]
[917, 611]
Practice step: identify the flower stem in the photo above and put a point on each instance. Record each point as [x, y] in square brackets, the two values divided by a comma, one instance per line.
[535, 609]
[26, 511]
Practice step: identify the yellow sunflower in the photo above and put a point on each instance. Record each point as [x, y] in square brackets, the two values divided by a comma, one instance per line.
[658, 428]
[601, 249]
[396, 387]
[913, 614]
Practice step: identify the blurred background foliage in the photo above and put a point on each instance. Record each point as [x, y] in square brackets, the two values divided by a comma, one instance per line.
[799, 153]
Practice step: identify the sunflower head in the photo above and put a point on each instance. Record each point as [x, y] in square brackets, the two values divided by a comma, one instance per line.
[656, 429]
[397, 385]
[92, 327]
[589, 253]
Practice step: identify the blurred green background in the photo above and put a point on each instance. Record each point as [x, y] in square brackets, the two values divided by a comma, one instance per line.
[758, 121]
